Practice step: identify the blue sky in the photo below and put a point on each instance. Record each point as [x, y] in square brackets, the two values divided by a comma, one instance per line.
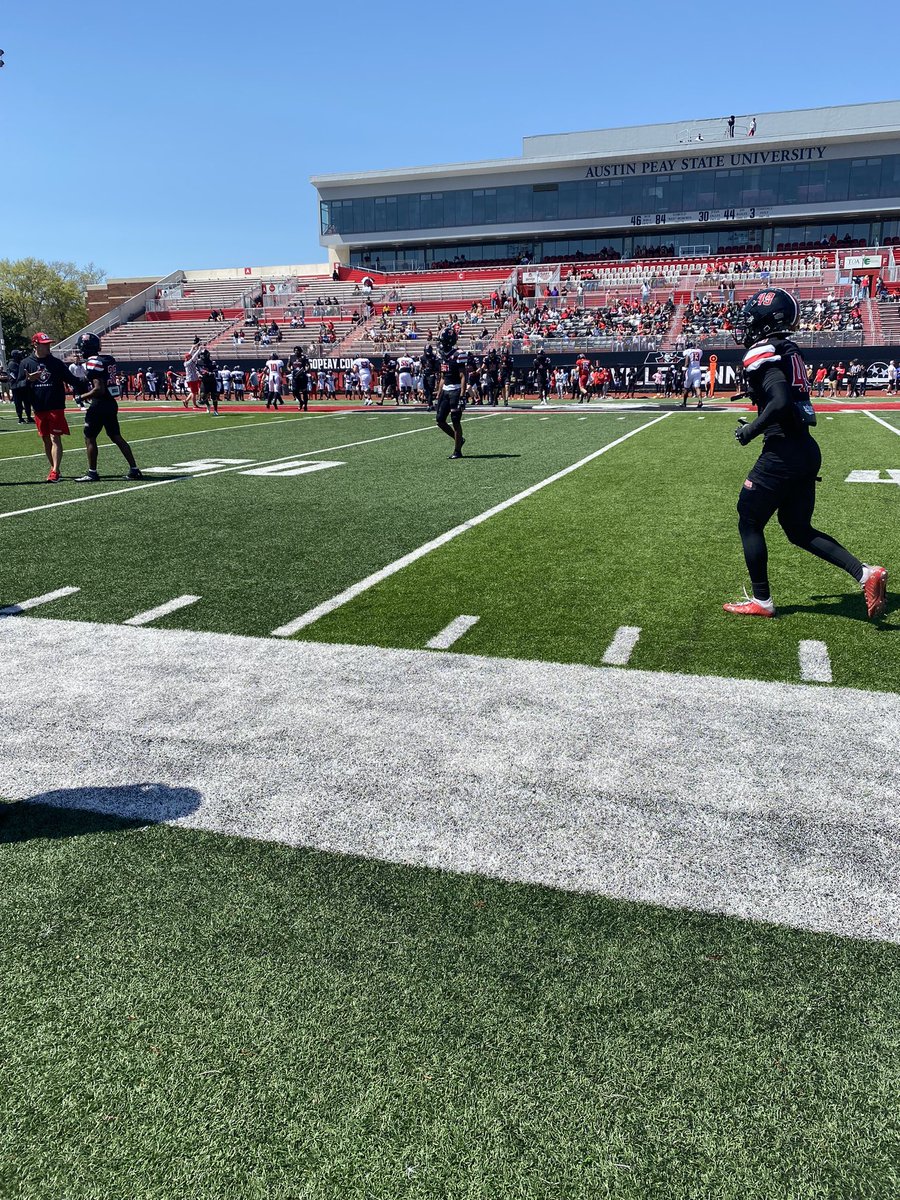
[150, 136]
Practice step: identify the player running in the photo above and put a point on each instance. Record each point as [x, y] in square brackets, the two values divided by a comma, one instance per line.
[693, 376]
[102, 407]
[783, 479]
[450, 400]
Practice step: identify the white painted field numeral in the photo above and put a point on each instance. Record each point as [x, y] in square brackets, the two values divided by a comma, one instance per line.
[195, 466]
[893, 476]
[287, 469]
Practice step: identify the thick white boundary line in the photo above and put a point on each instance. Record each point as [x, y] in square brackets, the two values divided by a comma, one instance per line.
[881, 421]
[162, 610]
[140, 487]
[451, 633]
[350, 593]
[14, 609]
[620, 649]
[815, 665]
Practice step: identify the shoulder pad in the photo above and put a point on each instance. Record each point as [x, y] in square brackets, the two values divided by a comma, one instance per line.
[761, 356]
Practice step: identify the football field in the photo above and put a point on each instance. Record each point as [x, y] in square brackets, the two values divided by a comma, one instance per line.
[381, 825]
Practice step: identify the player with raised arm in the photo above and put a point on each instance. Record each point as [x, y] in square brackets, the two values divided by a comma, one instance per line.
[363, 368]
[451, 400]
[783, 479]
[102, 409]
[693, 375]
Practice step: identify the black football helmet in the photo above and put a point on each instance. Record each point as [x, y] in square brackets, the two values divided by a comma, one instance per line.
[448, 340]
[88, 345]
[768, 312]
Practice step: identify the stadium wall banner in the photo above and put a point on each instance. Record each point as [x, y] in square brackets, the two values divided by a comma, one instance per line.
[860, 262]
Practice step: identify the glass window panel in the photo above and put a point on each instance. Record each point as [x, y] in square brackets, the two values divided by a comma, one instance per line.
[838, 180]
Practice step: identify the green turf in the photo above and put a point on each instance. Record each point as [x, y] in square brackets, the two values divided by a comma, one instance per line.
[647, 536]
[189, 1015]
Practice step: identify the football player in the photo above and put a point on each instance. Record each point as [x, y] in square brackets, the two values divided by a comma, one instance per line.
[783, 479]
[450, 399]
[102, 407]
[693, 376]
[541, 367]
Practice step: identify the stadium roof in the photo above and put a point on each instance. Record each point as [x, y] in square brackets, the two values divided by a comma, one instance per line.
[848, 122]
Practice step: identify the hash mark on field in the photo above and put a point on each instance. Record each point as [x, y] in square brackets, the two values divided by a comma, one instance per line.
[619, 650]
[23, 605]
[815, 665]
[452, 633]
[543, 418]
[162, 610]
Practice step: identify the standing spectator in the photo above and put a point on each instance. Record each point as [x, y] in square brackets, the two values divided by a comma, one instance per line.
[751, 132]
[46, 377]
[731, 126]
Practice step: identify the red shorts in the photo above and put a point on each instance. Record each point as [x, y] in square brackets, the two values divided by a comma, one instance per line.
[194, 387]
[51, 422]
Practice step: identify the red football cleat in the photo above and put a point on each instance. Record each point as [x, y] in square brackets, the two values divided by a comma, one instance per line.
[875, 591]
[53, 477]
[750, 607]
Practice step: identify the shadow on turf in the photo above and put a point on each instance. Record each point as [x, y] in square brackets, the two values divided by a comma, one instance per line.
[71, 812]
[492, 456]
[103, 479]
[850, 606]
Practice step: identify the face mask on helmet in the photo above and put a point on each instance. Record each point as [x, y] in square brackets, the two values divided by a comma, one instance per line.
[88, 345]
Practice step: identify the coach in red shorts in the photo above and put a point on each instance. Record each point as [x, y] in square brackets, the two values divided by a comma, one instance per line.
[46, 377]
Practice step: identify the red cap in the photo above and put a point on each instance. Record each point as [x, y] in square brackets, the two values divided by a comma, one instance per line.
[42, 339]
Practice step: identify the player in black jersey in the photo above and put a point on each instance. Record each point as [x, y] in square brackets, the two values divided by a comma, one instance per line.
[102, 408]
[506, 371]
[541, 367]
[389, 380]
[451, 399]
[783, 479]
[430, 370]
[299, 368]
[491, 371]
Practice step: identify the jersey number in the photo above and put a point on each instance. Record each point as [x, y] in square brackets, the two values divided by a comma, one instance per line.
[800, 379]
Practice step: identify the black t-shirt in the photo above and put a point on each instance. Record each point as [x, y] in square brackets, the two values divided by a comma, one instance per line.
[48, 392]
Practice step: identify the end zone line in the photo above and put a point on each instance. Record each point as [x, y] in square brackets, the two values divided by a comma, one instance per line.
[451, 633]
[356, 589]
[881, 421]
[14, 609]
[161, 610]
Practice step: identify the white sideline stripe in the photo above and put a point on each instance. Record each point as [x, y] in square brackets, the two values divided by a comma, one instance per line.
[139, 487]
[571, 777]
[162, 610]
[619, 650]
[881, 421]
[452, 633]
[815, 665]
[23, 605]
[356, 589]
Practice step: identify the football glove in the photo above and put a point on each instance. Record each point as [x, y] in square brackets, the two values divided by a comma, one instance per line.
[743, 434]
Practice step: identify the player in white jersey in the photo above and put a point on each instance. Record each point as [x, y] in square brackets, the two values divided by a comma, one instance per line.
[224, 382]
[78, 370]
[274, 382]
[192, 373]
[405, 368]
[237, 383]
[363, 367]
[693, 375]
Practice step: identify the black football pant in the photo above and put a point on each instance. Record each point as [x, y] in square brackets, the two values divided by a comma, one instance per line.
[783, 481]
[22, 404]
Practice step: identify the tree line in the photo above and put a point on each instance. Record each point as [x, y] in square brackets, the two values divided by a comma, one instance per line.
[46, 296]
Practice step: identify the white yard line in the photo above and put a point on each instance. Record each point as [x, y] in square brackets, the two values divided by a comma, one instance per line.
[350, 593]
[139, 487]
[451, 633]
[164, 437]
[815, 665]
[24, 605]
[881, 421]
[162, 610]
[570, 777]
[619, 650]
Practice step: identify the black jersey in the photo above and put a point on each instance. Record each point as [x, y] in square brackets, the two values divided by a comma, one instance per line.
[541, 365]
[103, 367]
[777, 382]
[451, 373]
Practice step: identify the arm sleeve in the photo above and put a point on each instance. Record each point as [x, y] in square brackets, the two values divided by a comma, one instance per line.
[778, 401]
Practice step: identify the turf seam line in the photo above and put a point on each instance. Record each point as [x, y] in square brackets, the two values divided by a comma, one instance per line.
[620, 649]
[451, 633]
[356, 589]
[14, 609]
[162, 610]
[881, 421]
[815, 664]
